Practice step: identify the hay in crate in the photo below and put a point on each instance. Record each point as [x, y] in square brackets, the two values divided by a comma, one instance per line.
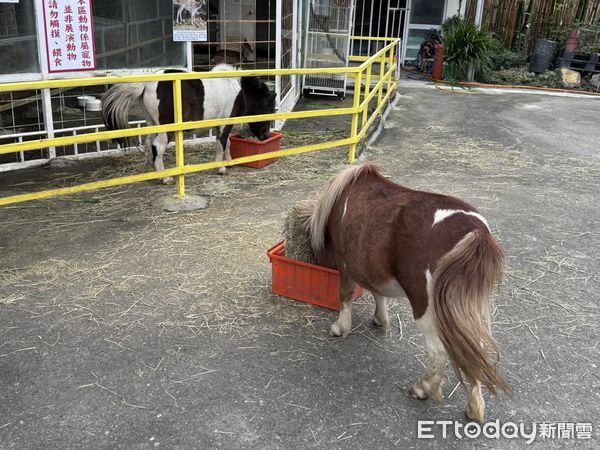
[295, 232]
[245, 133]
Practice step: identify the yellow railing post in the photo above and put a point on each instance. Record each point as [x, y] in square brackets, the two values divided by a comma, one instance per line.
[397, 61]
[360, 109]
[367, 90]
[389, 81]
[179, 158]
[355, 104]
[381, 81]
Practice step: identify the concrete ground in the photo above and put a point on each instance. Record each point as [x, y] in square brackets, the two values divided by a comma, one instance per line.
[125, 327]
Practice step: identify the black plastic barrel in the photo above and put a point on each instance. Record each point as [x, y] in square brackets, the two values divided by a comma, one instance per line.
[542, 56]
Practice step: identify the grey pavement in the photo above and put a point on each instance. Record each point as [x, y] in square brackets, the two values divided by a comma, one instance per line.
[122, 326]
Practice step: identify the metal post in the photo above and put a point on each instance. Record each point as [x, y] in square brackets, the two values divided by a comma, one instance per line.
[367, 90]
[478, 20]
[48, 119]
[45, 93]
[179, 158]
[380, 82]
[355, 104]
[389, 81]
[479, 13]
[278, 49]
[295, 18]
[189, 55]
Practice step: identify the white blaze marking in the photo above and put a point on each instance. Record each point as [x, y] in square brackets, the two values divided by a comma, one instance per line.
[442, 214]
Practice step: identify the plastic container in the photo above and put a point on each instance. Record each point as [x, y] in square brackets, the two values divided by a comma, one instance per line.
[572, 42]
[542, 56]
[83, 99]
[93, 105]
[250, 147]
[305, 282]
[437, 71]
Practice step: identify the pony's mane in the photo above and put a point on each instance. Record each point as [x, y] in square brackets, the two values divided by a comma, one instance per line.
[322, 211]
[222, 67]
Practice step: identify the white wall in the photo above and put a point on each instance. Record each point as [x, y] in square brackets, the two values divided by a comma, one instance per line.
[452, 7]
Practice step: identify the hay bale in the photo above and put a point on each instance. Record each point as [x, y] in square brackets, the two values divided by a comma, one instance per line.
[296, 235]
[245, 133]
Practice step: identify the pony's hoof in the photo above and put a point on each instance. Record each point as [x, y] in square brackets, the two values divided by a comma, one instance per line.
[476, 409]
[417, 392]
[335, 330]
[385, 324]
[222, 170]
[473, 415]
[168, 181]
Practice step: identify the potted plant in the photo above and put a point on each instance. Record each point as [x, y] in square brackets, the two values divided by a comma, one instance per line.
[467, 48]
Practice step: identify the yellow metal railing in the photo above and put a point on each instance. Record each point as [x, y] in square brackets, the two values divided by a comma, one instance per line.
[359, 111]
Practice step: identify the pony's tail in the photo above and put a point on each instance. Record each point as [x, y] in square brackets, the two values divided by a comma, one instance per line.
[116, 104]
[462, 287]
[322, 210]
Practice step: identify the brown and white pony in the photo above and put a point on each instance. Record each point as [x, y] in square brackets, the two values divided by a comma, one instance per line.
[436, 249]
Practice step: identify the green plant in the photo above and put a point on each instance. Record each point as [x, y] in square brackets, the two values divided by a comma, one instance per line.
[503, 58]
[466, 46]
[521, 76]
[450, 23]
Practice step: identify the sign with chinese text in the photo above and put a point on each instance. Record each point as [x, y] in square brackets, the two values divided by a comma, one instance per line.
[189, 20]
[69, 35]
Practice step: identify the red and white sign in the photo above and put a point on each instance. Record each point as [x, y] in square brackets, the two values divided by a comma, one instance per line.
[69, 35]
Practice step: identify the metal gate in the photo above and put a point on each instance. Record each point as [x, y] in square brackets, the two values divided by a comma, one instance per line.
[268, 27]
[328, 33]
[383, 18]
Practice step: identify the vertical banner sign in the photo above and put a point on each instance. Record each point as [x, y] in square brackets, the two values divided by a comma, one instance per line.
[69, 35]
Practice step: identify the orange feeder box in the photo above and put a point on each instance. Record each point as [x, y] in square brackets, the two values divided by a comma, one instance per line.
[249, 147]
[305, 282]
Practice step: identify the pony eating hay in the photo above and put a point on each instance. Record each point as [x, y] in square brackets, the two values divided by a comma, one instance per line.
[436, 249]
[212, 98]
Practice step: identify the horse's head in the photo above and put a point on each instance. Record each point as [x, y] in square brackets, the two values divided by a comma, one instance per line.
[259, 100]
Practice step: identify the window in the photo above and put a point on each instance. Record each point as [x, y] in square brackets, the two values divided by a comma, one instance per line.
[135, 34]
[427, 12]
[18, 43]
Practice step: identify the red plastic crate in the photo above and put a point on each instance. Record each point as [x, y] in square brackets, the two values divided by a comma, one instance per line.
[249, 147]
[305, 282]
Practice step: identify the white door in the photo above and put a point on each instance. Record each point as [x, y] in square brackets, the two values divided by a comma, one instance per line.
[425, 15]
[238, 22]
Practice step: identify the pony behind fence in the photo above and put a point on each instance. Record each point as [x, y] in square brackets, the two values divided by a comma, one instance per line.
[213, 98]
[225, 56]
[436, 249]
